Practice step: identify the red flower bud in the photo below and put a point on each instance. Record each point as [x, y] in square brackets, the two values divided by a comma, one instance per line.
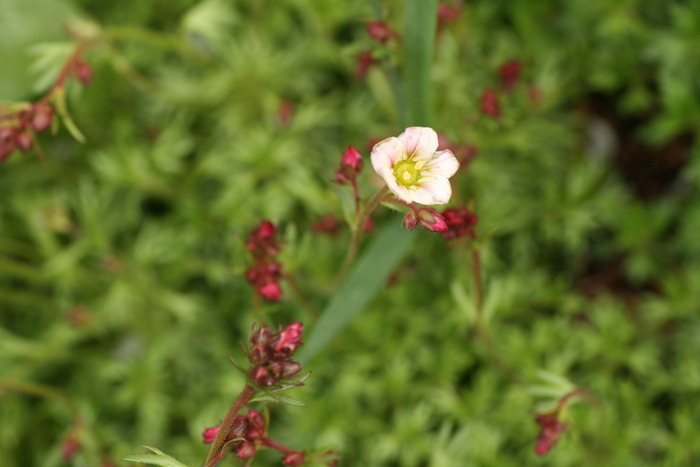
[430, 219]
[284, 369]
[489, 104]
[379, 31]
[293, 459]
[246, 450]
[352, 159]
[270, 291]
[410, 221]
[363, 62]
[261, 376]
[41, 119]
[459, 222]
[510, 74]
[288, 339]
[256, 420]
[209, 434]
[550, 431]
[83, 71]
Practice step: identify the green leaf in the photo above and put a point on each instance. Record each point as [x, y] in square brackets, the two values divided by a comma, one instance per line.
[60, 101]
[276, 398]
[419, 40]
[365, 280]
[158, 458]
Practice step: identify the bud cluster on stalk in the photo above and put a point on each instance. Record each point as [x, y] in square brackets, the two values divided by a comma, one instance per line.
[271, 354]
[265, 273]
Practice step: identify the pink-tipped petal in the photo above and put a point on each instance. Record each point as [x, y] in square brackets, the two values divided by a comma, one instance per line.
[420, 142]
[386, 153]
[443, 164]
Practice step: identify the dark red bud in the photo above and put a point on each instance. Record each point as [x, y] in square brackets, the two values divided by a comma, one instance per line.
[261, 376]
[245, 450]
[256, 420]
[410, 221]
[259, 354]
[510, 73]
[489, 104]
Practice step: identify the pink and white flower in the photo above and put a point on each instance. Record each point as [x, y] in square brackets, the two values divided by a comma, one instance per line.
[412, 167]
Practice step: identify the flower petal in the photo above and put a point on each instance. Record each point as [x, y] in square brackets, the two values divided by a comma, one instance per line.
[433, 190]
[386, 153]
[420, 142]
[399, 191]
[442, 164]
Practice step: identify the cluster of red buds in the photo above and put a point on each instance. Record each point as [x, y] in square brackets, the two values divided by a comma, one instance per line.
[380, 32]
[17, 128]
[249, 433]
[460, 222]
[551, 429]
[20, 123]
[271, 354]
[551, 424]
[509, 76]
[265, 273]
[428, 218]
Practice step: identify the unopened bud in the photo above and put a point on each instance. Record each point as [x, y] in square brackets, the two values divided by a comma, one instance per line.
[379, 31]
[261, 376]
[270, 291]
[246, 450]
[42, 117]
[83, 71]
[293, 459]
[410, 221]
[489, 104]
[430, 219]
[209, 434]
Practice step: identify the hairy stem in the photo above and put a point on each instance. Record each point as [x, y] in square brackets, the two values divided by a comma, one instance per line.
[213, 457]
[358, 229]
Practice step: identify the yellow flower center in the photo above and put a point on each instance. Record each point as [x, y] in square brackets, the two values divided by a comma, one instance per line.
[407, 172]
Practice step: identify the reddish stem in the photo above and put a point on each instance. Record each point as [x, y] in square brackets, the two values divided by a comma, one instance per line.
[215, 454]
[275, 445]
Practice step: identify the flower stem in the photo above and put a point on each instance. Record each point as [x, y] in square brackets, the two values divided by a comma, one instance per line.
[213, 457]
[275, 445]
[39, 391]
[358, 229]
[481, 328]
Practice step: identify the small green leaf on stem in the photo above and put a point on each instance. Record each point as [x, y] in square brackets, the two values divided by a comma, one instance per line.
[157, 458]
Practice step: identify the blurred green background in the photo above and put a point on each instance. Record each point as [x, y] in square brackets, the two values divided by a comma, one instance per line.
[122, 260]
